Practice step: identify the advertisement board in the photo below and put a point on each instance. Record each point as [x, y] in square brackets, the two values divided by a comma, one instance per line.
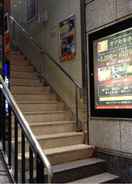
[111, 70]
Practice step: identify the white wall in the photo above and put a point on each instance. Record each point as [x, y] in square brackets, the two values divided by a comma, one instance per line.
[59, 10]
[110, 134]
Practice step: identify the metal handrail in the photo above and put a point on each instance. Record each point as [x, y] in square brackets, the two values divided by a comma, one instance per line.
[42, 51]
[26, 128]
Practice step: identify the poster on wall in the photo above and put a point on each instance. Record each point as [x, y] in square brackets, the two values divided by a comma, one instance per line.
[67, 39]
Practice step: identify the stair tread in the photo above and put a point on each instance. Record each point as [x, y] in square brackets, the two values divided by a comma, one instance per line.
[51, 123]
[37, 102]
[21, 79]
[46, 112]
[69, 148]
[76, 164]
[29, 87]
[41, 94]
[22, 70]
[100, 178]
[58, 135]
[62, 149]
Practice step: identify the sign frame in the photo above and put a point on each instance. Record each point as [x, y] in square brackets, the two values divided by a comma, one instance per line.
[107, 31]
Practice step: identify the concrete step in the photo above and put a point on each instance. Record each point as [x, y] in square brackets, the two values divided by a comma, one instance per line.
[25, 82]
[69, 153]
[100, 178]
[17, 56]
[29, 90]
[17, 68]
[63, 155]
[46, 117]
[75, 170]
[41, 107]
[35, 97]
[56, 140]
[45, 128]
[52, 127]
[20, 62]
[24, 75]
[37, 102]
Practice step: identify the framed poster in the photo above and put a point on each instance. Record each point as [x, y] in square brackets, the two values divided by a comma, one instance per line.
[110, 56]
[67, 35]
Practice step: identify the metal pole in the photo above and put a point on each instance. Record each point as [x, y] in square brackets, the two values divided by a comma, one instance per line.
[13, 31]
[76, 105]
[85, 63]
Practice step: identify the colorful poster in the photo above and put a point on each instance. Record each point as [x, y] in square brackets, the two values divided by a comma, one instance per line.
[67, 39]
[113, 71]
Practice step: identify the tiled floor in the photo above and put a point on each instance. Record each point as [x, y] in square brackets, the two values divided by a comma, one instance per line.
[3, 172]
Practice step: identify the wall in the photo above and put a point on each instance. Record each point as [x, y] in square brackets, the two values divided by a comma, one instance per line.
[59, 10]
[48, 36]
[19, 11]
[109, 134]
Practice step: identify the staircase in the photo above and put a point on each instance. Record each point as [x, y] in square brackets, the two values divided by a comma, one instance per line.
[55, 128]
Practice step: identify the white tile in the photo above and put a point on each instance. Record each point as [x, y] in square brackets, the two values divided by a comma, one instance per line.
[126, 136]
[91, 133]
[106, 134]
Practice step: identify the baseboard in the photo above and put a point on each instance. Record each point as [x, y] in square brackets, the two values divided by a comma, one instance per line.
[114, 152]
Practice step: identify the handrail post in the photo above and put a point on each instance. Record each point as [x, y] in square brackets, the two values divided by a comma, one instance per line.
[76, 106]
[0, 114]
[3, 122]
[13, 31]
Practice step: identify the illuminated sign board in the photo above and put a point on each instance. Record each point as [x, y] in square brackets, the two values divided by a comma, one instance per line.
[111, 70]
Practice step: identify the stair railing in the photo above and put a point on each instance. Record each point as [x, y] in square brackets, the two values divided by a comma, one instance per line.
[20, 147]
[43, 52]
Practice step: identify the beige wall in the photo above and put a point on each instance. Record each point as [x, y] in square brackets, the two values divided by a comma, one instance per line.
[111, 134]
[47, 35]
[59, 10]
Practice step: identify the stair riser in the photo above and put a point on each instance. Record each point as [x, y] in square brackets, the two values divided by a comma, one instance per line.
[41, 107]
[21, 75]
[56, 142]
[35, 97]
[53, 129]
[50, 129]
[21, 69]
[20, 63]
[24, 82]
[46, 118]
[25, 102]
[83, 172]
[30, 91]
[114, 181]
